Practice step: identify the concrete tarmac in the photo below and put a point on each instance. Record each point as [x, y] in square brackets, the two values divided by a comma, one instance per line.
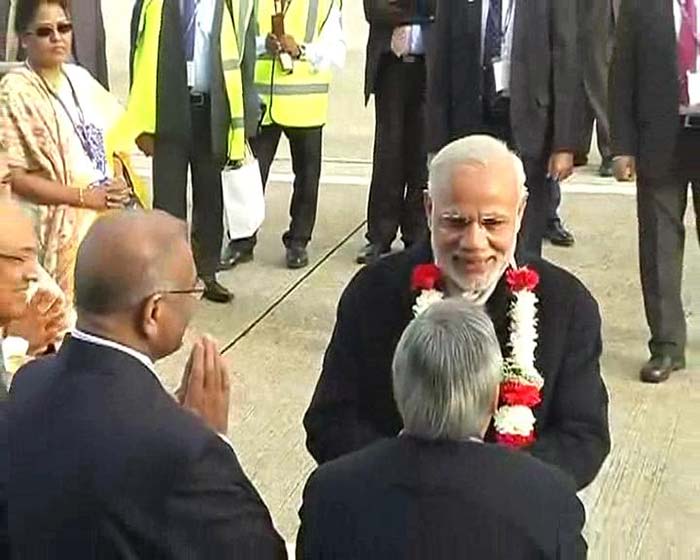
[644, 503]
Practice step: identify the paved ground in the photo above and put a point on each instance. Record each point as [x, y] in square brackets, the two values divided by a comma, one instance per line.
[643, 505]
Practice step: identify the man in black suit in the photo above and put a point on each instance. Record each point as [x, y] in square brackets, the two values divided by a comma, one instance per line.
[128, 470]
[476, 203]
[437, 491]
[509, 68]
[655, 115]
[395, 74]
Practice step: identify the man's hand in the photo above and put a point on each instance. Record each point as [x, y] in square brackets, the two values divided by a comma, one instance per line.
[42, 324]
[205, 388]
[561, 165]
[625, 168]
[146, 143]
[290, 46]
[272, 44]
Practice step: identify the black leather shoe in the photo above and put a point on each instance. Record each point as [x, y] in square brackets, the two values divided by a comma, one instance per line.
[659, 368]
[371, 253]
[606, 167]
[558, 234]
[213, 291]
[297, 257]
[233, 256]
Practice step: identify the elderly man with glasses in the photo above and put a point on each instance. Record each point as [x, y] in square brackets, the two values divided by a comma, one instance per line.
[134, 472]
[547, 322]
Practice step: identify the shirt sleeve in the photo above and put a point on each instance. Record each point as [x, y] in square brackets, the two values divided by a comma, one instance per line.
[330, 48]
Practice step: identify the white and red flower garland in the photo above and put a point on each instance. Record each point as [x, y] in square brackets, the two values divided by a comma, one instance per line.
[522, 383]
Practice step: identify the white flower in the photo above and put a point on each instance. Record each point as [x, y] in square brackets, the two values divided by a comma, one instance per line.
[425, 300]
[517, 420]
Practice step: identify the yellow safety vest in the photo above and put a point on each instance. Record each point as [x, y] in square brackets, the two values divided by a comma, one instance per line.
[141, 108]
[299, 99]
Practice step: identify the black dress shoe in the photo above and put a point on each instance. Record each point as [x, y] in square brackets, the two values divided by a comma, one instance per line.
[371, 253]
[659, 368]
[558, 235]
[233, 256]
[297, 257]
[213, 291]
[606, 167]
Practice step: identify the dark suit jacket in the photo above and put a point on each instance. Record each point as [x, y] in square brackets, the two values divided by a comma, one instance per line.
[381, 27]
[173, 106]
[89, 41]
[105, 464]
[353, 404]
[544, 75]
[410, 499]
[644, 89]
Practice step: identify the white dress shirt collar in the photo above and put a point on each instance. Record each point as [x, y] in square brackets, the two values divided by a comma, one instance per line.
[99, 341]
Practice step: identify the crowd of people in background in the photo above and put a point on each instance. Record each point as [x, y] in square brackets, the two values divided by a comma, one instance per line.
[478, 121]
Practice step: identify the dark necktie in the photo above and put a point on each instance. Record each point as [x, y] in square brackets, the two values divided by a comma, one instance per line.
[687, 46]
[187, 18]
[493, 37]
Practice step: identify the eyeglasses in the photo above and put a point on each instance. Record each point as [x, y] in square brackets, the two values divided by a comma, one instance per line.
[197, 289]
[46, 31]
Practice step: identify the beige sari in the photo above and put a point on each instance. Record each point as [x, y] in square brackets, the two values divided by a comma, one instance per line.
[37, 135]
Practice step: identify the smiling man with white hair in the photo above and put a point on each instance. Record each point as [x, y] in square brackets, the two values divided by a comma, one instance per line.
[554, 403]
[446, 375]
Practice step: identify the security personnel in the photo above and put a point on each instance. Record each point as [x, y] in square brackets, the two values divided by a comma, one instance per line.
[193, 102]
[293, 77]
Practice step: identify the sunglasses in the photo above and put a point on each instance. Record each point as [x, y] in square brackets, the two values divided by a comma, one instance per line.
[46, 31]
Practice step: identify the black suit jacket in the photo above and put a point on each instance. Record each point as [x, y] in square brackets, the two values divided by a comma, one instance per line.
[382, 23]
[544, 75]
[105, 464]
[410, 499]
[644, 92]
[353, 404]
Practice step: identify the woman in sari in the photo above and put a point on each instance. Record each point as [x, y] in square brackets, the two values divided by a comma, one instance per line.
[57, 126]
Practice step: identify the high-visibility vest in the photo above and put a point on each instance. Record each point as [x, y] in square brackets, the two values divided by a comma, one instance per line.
[142, 105]
[299, 99]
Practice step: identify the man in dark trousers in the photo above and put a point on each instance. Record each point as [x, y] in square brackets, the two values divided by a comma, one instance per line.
[476, 205]
[509, 68]
[655, 117]
[129, 470]
[395, 74]
[191, 102]
[437, 491]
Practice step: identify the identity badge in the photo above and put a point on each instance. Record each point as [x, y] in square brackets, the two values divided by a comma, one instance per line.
[190, 73]
[501, 74]
[694, 88]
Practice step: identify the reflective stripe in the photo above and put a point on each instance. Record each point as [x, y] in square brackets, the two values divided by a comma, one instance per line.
[294, 89]
[231, 64]
[311, 21]
[242, 24]
[238, 122]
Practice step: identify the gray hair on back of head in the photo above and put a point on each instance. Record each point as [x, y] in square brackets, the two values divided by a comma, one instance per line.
[479, 149]
[446, 371]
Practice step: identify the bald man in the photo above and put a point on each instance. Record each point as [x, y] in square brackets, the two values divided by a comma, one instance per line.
[134, 472]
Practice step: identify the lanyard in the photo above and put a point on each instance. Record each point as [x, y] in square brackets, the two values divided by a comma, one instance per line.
[505, 25]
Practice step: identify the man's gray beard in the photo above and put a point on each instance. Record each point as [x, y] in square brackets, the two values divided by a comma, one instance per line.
[481, 295]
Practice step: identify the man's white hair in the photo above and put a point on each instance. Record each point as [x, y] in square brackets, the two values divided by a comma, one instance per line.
[477, 149]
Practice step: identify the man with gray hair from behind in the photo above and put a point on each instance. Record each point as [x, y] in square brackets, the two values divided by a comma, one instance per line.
[437, 491]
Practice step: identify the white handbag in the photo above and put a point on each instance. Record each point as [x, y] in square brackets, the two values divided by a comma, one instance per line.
[244, 200]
